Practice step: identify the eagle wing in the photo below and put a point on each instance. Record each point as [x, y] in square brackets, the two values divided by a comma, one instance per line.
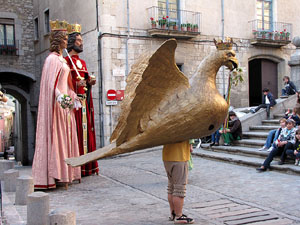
[150, 81]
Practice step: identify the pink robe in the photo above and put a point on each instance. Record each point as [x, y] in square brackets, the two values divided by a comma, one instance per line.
[56, 135]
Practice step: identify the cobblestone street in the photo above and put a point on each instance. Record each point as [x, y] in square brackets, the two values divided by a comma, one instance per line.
[131, 189]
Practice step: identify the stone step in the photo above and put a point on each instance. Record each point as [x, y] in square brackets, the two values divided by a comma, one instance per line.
[263, 128]
[245, 160]
[255, 143]
[237, 150]
[256, 135]
[278, 116]
[271, 122]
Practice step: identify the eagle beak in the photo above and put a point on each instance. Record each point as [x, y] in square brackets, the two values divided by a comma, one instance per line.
[234, 63]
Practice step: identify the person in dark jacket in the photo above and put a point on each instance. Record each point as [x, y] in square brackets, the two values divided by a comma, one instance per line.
[294, 116]
[268, 101]
[289, 87]
[234, 130]
[292, 150]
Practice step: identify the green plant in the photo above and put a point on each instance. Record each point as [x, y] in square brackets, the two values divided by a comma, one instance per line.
[237, 76]
[270, 33]
[195, 26]
[152, 20]
[188, 25]
[254, 32]
[263, 32]
[183, 25]
[162, 21]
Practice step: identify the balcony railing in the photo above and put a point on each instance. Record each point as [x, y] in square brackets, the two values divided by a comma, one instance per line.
[8, 47]
[274, 34]
[174, 20]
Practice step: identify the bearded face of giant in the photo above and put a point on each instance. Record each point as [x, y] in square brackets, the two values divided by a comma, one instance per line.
[74, 44]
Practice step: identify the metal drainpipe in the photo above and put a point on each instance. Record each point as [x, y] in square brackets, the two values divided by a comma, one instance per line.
[223, 69]
[100, 80]
[126, 49]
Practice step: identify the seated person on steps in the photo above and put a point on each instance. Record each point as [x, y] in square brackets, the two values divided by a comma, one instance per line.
[287, 135]
[215, 137]
[293, 116]
[273, 136]
[234, 130]
[292, 150]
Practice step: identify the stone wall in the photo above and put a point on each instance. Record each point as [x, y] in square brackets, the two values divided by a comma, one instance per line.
[22, 14]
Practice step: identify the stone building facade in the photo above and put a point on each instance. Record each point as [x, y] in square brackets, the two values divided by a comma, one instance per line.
[17, 70]
[116, 33]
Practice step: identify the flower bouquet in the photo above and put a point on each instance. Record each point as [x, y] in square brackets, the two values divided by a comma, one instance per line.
[66, 102]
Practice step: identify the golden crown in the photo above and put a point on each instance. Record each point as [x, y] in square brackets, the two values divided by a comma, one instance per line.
[58, 25]
[74, 28]
[224, 45]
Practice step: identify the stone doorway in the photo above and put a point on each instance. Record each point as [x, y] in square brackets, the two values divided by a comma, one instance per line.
[19, 86]
[262, 74]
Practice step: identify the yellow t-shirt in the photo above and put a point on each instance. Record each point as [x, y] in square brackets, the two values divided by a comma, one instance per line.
[178, 152]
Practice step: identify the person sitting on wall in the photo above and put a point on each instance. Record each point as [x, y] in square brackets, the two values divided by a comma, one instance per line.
[268, 101]
[289, 87]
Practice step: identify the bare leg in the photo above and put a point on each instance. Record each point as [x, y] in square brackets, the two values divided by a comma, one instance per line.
[178, 205]
[170, 199]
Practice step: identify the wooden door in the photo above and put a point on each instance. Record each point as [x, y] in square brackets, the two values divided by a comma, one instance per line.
[269, 76]
[262, 74]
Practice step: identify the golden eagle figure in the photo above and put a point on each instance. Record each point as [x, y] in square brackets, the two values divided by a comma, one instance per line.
[163, 106]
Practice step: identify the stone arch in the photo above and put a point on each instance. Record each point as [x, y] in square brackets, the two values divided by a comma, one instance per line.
[19, 86]
[265, 70]
[19, 72]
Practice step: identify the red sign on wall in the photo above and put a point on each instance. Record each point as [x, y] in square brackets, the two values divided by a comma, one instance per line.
[120, 95]
[111, 94]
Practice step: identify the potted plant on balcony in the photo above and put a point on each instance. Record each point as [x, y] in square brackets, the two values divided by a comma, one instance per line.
[270, 35]
[282, 35]
[183, 27]
[175, 27]
[287, 36]
[254, 32]
[276, 35]
[195, 28]
[263, 34]
[188, 26]
[153, 22]
[162, 22]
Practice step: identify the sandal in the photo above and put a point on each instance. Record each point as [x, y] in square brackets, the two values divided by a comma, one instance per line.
[183, 220]
[172, 217]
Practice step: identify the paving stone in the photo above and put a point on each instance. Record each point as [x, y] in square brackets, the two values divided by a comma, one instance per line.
[274, 222]
[231, 209]
[212, 208]
[234, 213]
[211, 203]
[247, 215]
[251, 220]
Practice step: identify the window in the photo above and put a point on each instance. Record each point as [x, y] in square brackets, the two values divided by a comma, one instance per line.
[264, 14]
[7, 32]
[36, 29]
[47, 21]
[7, 37]
[168, 8]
